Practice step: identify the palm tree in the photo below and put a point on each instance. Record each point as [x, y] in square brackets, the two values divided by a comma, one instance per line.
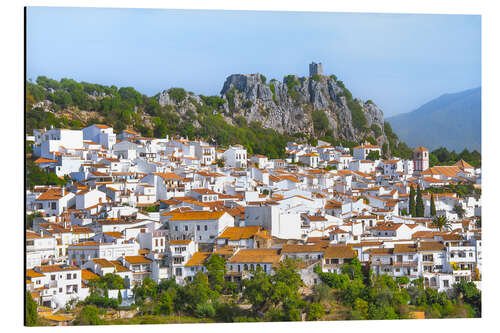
[441, 222]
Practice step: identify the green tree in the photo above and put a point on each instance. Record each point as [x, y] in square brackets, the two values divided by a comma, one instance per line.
[411, 202]
[320, 121]
[402, 280]
[36, 176]
[433, 206]
[111, 281]
[354, 289]
[377, 131]
[321, 292]
[258, 289]
[146, 290]
[419, 204]
[359, 310]
[177, 94]
[31, 314]
[459, 210]
[315, 311]
[353, 269]
[286, 282]
[165, 303]
[441, 222]
[30, 218]
[198, 292]
[88, 316]
[216, 270]
[373, 155]
[479, 223]
[470, 294]
[433, 160]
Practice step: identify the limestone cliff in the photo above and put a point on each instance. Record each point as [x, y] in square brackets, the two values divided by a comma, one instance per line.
[288, 106]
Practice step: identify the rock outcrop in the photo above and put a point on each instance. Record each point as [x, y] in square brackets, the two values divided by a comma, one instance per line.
[287, 106]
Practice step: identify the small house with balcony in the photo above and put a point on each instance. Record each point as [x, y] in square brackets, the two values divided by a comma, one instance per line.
[40, 248]
[179, 253]
[54, 201]
[312, 252]
[335, 256]
[244, 261]
[248, 237]
[202, 226]
[196, 264]
[58, 284]
[139, 265]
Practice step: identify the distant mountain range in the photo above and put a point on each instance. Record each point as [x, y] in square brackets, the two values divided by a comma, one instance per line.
[452, 121]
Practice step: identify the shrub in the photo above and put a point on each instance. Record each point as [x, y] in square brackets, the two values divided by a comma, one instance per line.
[177, 94]
[377, 131]
[102, 301]
[213, 101]
[230, 96]
[373, 155]
[271, 86]
[291, 81]
[205, 310]
[358, 116]
[88, 316]
[320, 121]
[402, 280]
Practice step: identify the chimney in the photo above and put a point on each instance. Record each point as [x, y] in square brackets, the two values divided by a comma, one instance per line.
[41, 232]
[63, 191]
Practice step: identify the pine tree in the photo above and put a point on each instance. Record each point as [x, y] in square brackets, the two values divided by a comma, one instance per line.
[419, 204]
[433, 206]
[411, 203]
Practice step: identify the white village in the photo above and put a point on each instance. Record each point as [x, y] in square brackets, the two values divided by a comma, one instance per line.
[160, 208]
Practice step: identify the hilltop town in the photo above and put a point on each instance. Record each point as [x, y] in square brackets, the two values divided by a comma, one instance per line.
[150, 210]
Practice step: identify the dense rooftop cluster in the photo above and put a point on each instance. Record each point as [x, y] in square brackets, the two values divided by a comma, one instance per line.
[145, 208]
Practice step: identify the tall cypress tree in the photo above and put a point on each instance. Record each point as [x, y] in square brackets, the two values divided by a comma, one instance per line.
[411, 203]
[433, 206]
[31, 314]
[419, 204]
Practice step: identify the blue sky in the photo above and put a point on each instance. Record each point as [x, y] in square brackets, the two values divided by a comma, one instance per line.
[399, 61]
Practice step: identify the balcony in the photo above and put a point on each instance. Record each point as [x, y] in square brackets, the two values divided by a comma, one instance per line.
[32, 248]
[174, 188]
[51, 284]
[462, 272]
[381, 263]
[405, 263]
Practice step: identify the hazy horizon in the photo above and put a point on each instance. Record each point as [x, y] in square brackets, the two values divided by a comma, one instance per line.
[400, 61]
